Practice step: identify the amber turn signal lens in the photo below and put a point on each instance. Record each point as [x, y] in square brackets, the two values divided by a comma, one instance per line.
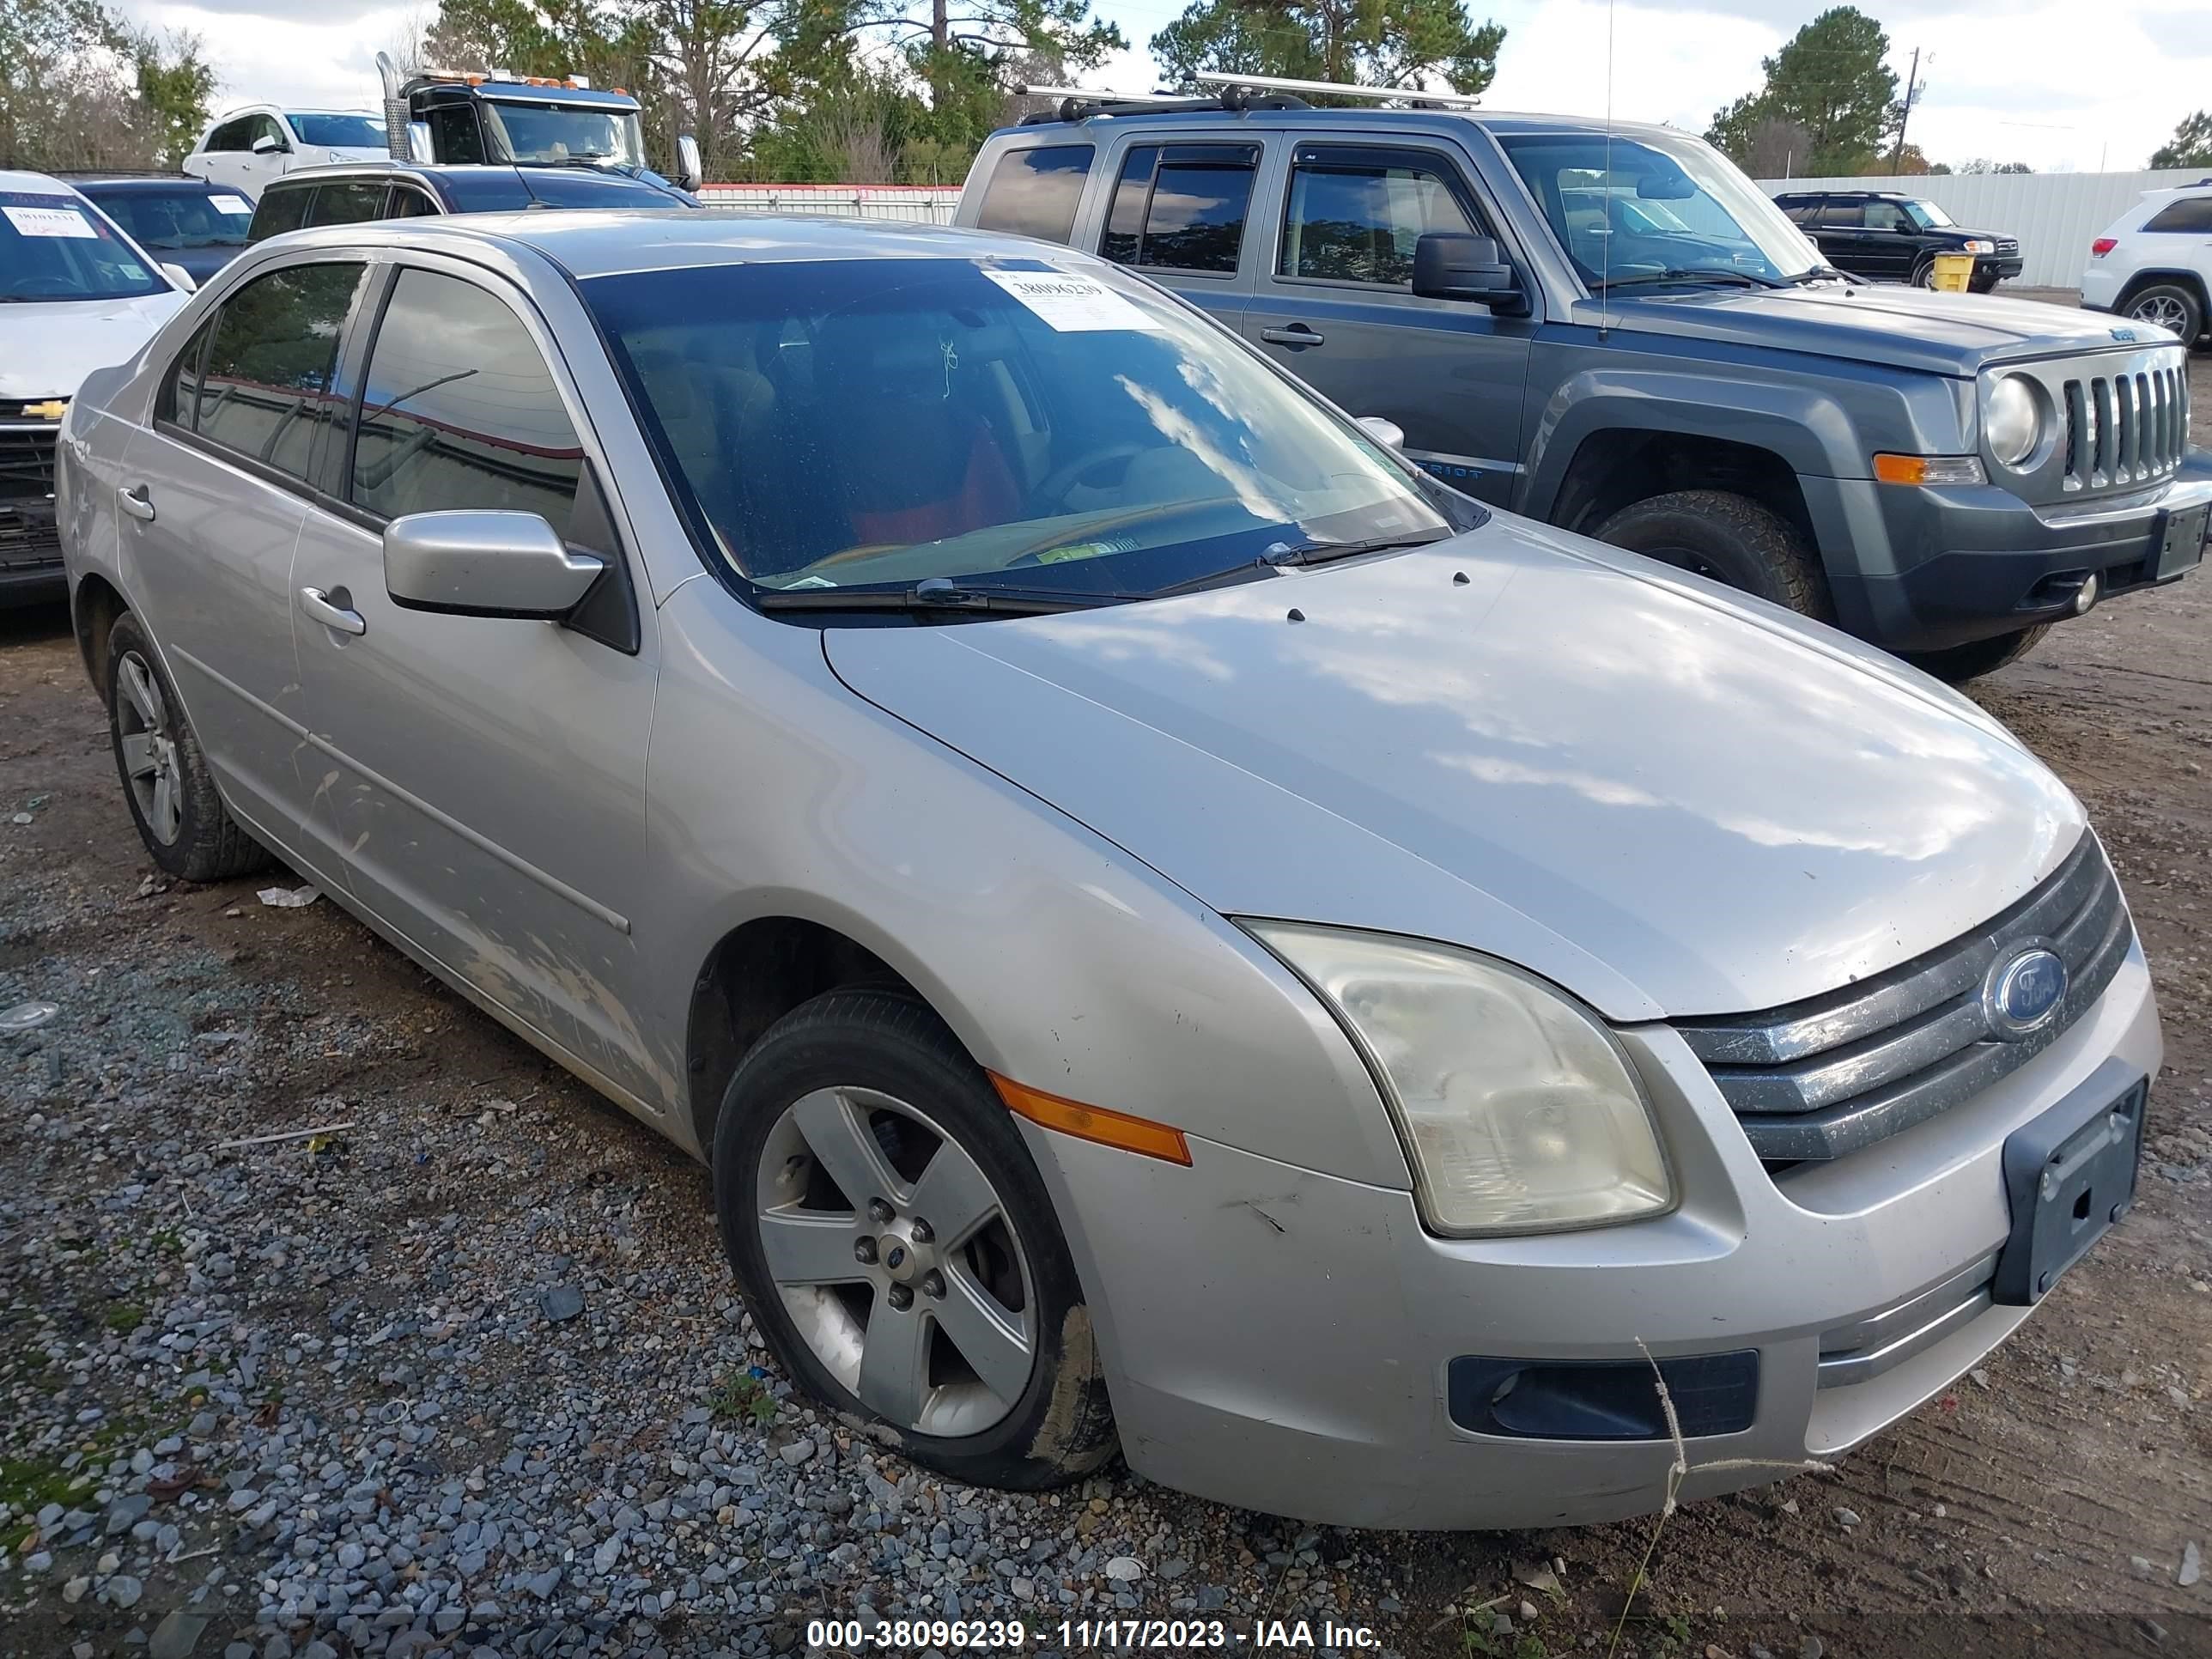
[1096, 1123]
[1929, 469]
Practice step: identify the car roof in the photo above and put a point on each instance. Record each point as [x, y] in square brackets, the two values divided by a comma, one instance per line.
[1502, 124]
[601, 242]
[143, 184]
[42, 184]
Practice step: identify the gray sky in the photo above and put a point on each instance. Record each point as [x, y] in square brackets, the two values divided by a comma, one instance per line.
[2056, 83]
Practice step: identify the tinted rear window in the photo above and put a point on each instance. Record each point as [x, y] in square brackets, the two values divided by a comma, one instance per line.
[2192, 214]
[1182, 208]
[1033, 192]
[280, 210]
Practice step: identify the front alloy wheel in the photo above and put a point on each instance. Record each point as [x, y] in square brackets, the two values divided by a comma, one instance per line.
[897, 1262]
[899, 1251]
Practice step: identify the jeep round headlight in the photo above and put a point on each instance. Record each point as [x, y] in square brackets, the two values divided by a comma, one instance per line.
[2013, 423]
[1518, 1111]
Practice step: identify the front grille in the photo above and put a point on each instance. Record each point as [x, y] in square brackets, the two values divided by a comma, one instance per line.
[27, 462]
[1824, 1077]
[2007, 245]
[2125, 429]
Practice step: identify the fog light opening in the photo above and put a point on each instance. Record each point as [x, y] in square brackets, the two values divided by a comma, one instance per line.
[2085, 596]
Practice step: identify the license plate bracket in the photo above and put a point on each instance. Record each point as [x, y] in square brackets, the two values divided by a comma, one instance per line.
[2181, 541]
[2069, 1174]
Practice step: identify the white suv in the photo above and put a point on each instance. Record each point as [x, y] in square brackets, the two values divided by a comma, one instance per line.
[249, 147]
[2154, 263]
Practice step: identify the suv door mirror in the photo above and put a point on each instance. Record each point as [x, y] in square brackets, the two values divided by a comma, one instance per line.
[472, 563]
[269, 144]
[690, 173]
[1451, 264]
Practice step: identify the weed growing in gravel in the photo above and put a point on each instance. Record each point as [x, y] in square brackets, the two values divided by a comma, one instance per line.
[123, 1317]
[742, 1397]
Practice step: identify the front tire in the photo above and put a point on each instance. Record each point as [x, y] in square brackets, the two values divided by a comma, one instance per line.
[1956, 664]
[899, 1250]
[166, 779]
[1730, 538]
[2169, 305]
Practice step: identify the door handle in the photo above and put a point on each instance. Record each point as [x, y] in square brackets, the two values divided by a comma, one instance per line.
[1296, 335]
[317, 605]
[137, 502]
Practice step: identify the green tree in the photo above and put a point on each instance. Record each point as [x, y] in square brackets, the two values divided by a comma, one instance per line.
[2190, 145]
[1376, 43]
[1831, 79]
[175, 83]
[79, 87]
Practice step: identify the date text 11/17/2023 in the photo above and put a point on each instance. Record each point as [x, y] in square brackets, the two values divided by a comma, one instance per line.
[912, 1635]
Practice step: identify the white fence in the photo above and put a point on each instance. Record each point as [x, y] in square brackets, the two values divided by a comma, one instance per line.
[929, 204]
[2055, 215]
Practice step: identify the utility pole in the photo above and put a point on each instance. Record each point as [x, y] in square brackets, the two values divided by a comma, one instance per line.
[1911, 86]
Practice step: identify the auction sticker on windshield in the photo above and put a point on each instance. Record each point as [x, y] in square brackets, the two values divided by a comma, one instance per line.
[1072, 305]
[230, 204]
[51, 221]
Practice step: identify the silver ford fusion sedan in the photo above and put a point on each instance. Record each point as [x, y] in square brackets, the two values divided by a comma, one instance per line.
[1166, 924]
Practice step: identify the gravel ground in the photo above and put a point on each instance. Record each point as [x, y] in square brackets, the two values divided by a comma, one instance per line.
[461, 1371]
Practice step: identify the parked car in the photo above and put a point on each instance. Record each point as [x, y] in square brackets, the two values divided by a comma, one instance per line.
[1888, 236]
[75, 295]
[1156, 911]
[368, 191]
[251, 146]
[1932, 477]
[2153, 263]
[185, 221]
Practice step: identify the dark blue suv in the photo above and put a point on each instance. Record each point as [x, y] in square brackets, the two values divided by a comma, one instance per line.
[359, 191]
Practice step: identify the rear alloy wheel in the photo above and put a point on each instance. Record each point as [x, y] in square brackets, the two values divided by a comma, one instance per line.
[1956, 664]
[172, 797]
[1729, 537]
[2169, 305]
[897, 1247]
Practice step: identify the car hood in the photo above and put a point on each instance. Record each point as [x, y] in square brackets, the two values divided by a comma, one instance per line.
[47, 348]
[1669, 800]
[1891, 324]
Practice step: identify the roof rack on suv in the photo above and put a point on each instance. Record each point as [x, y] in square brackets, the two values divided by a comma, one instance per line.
[1230, 92]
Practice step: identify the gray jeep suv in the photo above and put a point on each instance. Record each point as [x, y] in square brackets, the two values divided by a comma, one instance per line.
[1615, 332]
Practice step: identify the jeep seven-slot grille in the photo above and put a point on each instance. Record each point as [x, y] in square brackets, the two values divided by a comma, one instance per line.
[2125, 429]
[1825, 1077]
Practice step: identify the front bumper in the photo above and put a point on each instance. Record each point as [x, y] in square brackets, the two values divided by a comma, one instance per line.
[1284, 1340]
[30, 545]
[1932, 568]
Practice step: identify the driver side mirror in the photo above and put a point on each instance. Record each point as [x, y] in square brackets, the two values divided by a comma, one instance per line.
[180, 277]
[1451, 264]
[690, 173]
[472, 563]
[266, 144]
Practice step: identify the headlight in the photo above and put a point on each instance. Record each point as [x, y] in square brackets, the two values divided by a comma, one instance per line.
[1518, 1111]
[2013, 423]
[1978, 245]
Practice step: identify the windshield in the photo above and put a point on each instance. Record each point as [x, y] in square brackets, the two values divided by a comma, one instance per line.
[551, 132]
[172, 220]
[1631, 209]
[1927, 216]
[882, 422]
[340, 132]
[53, 247]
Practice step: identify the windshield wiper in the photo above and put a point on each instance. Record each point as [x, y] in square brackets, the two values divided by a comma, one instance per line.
[937, 593]
[1818, 273]
[1307, 553]
[1689, 274]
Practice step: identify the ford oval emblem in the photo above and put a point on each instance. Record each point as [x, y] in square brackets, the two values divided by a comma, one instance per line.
[2024, 992]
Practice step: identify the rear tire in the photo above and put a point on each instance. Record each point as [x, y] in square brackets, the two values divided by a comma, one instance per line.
[864, 1098]
[165, 781]
[1730, 538]
[2169, 305]
[1957, 664]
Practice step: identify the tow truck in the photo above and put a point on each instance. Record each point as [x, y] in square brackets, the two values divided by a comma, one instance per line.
[461, 116]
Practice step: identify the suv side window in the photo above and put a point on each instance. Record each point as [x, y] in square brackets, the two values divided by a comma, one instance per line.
[1181, 207]
[2191, 216]
[265, 391]
[265, 126]
[1802, 214]
[231, 135]
[1034, 192]
[1354, 216]
[1888, 216]
[282, 206]
[459, 409]
[409, 202]
[1843, 216]
[348, 202]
